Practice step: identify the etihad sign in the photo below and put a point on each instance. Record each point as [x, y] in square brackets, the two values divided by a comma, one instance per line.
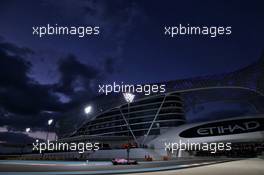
[226, 127]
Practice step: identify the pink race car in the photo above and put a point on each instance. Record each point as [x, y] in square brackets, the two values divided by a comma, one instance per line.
[124, 162]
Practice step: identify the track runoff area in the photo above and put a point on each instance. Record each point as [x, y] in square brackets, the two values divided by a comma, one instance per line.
[22, 167]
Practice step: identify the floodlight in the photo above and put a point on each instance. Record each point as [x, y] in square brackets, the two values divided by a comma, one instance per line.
[129, 97]
[50, 121]
[87, 109]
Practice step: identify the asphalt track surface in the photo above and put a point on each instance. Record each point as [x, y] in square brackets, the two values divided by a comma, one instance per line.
[252, 166]
[18, 167]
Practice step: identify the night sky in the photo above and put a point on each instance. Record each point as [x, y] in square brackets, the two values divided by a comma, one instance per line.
[47, 77]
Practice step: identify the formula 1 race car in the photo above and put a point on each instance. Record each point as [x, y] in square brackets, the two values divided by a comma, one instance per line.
[124, 162]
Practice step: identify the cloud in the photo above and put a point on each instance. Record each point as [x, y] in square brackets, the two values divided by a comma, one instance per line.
[13, 49]
[75, 75]
[109, 65]
[18, 92]
[1, 39]
[22, 99]
[25, 102]
[15, 136]
[116, 19]
[11, 137]
[13, 70]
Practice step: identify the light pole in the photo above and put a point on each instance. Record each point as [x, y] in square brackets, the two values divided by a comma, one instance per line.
[24, 146]
[50, 121]
[129, 97]
[87, 110]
